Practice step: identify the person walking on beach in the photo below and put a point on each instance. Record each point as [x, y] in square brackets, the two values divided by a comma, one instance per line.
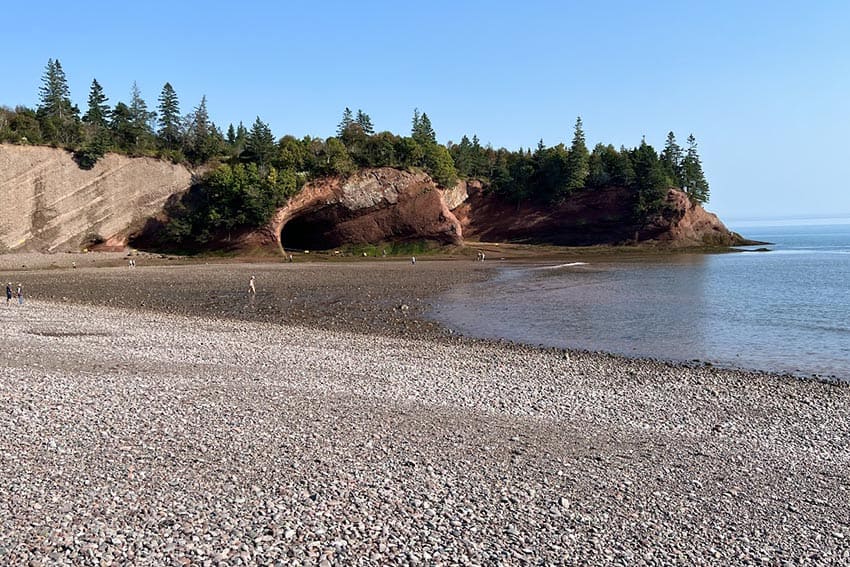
[8, 293]
[413, 260]
[20, 294]
[251, 289]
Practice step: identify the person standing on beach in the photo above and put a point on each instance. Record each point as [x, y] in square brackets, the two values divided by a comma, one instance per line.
[20, 293]
[251, 289]
[8, 293]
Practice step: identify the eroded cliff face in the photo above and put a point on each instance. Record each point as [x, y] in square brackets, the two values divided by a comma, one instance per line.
[602, 216]
[371, 206]
[687, 225]
[50, 204]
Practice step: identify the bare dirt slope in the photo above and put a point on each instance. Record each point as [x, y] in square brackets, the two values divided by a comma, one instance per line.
[50, 204]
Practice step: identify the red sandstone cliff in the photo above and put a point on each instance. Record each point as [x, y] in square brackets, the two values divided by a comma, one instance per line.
[371, 206]
[602, 216]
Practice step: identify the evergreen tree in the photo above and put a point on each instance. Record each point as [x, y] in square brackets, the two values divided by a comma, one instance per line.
[169, 118]
[462, 156]
[260, 145]
[693, 178]
[140, 120]
[480, 164]
[577, 162]
[425, 132]
[121, 127]
[347, 120]
[139, 114]
[98, 113]
[415, 123]
[58, 117]
[201, 143]
[650, 182]
[96, 119]
[238, 145]
[671, 160]
[597, 174]
[364, 122]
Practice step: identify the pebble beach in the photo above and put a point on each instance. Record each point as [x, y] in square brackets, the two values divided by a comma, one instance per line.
[161, 416]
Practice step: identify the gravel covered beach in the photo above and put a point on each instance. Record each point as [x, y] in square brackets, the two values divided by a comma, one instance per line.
[160, 416]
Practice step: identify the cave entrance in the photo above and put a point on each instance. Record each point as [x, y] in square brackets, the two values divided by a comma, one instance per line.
[311, 231]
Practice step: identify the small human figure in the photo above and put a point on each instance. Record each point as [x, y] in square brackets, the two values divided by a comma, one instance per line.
[8, 293]
[413, 260]
[20, 294]
[384, 253]
[251, 289]
[290, 258]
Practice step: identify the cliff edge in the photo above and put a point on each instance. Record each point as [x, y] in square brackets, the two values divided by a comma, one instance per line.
[50, 204]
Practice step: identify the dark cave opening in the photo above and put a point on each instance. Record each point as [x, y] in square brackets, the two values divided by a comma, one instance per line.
[311, 231]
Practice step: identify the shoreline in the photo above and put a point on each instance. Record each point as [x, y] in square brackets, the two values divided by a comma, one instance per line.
[145, 436]
[350, 293]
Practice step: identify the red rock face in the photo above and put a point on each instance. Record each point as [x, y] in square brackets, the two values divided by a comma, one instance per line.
[600, 216]
[690, 225]
[372, 206]
[389, 205]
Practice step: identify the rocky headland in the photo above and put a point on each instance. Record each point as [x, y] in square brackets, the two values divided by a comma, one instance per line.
[61, 207]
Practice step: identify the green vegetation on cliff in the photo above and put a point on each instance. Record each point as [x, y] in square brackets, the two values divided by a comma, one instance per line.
[251, 173]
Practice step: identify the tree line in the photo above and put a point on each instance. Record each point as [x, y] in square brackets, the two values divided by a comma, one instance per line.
[251, 173]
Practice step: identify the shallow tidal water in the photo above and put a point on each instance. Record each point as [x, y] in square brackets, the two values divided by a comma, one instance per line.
[786, 310]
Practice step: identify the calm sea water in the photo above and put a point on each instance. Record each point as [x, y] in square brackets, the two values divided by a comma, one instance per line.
[787, 310]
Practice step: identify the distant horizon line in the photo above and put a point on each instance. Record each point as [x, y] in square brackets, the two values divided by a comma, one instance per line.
[797, 219]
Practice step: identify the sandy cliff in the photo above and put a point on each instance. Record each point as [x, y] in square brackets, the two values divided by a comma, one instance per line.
[50, 204]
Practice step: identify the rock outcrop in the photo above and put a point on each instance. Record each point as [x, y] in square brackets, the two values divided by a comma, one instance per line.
[50, 204]
[602, 216]
[371, 206]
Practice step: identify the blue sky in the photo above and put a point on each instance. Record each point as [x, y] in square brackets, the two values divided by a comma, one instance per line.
[764, 86]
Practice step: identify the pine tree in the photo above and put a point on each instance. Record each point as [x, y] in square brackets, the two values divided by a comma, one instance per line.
[365, 123]
[415, 123]
[260, 145]
[140, 120]
[139, 115]
[200, 137]
[423, 132]
[98, 113]
[169, 118]
[693, 178]
[347, 120]
[97, 136]
[671, 160]
[649, 182]
[577, 161]
[58, 117]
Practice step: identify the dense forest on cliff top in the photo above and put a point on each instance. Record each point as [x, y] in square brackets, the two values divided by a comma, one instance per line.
[251, 173]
